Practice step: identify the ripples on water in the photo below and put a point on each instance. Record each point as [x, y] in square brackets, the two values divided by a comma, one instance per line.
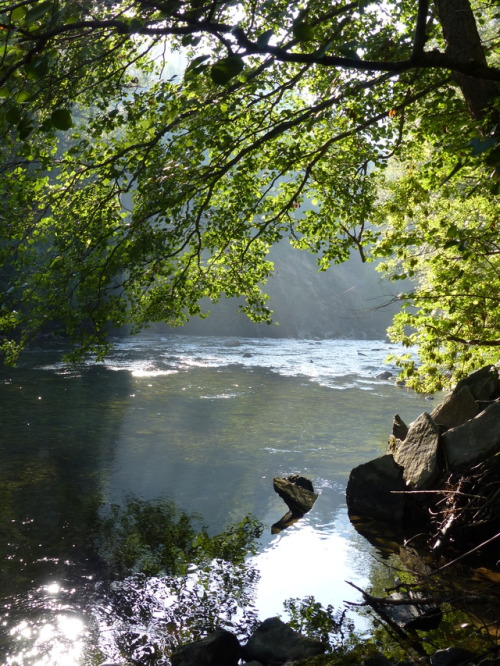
[206, 422]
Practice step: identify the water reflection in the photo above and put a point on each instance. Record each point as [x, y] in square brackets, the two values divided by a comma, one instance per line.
[210, 436]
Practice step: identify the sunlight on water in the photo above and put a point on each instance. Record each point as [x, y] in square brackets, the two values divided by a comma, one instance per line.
[307, 560]
[205, 422]
[55, 642]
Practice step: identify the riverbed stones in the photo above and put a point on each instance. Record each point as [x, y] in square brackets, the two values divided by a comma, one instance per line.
[221, 648]
[475, 439]
[418, 453]
[276, 642]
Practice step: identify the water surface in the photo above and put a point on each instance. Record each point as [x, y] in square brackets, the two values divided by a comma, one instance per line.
[205, 422]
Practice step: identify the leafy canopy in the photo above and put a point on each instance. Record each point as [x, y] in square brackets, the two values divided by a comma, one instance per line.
[153, 151]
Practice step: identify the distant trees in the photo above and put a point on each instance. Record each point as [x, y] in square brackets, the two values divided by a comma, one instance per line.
[129, 193]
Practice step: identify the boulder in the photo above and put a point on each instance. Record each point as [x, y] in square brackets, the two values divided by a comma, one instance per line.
[452, 656]
[413, 616]
[220, 648]
[297, 492]
[484, 384]
[457, 408]
[275, 642]
[399, 428]
[418, 454]
[475, 439]
[369, 490]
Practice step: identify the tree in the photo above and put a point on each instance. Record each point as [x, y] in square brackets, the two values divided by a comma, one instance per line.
[131, 191]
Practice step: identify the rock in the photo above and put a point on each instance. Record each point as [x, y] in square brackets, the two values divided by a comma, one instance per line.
[378, 659]
[384, 375]
[452, 656]
[399, 428]
[484, 384]
[457, 408]
[220, 648]
[475, 439]
[418, 454]
[297, 492]
[276, 642]
[369, 490]
[414, 617]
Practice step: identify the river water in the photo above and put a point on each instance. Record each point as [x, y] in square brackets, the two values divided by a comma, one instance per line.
[205, 422]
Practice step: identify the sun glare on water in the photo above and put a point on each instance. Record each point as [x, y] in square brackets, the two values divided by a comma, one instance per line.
[55, 640]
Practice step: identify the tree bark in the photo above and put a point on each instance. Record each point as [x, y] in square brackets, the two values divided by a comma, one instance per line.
[464, 43]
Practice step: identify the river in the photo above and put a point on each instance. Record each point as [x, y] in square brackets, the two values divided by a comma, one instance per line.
[205, 422]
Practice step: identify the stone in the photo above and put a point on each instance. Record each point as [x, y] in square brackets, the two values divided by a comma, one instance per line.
[452, 656]
[457, 408]
[384, 375]
[297, 492]
[418, 453]
[275, 642]
[414, 616]
[221, 648]
[484, 384]
[369, 490]
[475, 439]
[399, 428]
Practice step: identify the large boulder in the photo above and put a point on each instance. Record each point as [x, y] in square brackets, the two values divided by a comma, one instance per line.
[221, 648]
[475, 439]
[484, 384]
[457, 408]
[418, 454]
[275, 642]
[369, 490]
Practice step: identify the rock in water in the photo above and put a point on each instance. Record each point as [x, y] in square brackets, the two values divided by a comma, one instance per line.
[221, 648]
[276, 642]
[297, 492]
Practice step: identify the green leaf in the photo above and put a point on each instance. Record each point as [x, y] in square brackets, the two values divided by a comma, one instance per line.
[227, 68]
[18, 13]
[263, 39]
[13, 115]
[61, 119]
[4, 92]
[23, 96]
[349, 50]
[37, 68]
[38, 11]
[303, 32]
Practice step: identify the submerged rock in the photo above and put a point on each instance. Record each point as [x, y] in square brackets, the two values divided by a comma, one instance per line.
[220, 648]
[276, 642]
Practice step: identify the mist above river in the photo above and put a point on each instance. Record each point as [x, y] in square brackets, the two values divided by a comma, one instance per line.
[349, 300]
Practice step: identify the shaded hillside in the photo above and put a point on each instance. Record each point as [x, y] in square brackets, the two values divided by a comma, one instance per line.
[344, 302]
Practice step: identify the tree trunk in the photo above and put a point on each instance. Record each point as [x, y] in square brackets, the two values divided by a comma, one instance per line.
[463, 43]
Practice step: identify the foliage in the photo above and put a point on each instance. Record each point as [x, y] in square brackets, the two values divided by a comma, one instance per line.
[131, 188]
[328, 625]
[155, 538]
[172, 582]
